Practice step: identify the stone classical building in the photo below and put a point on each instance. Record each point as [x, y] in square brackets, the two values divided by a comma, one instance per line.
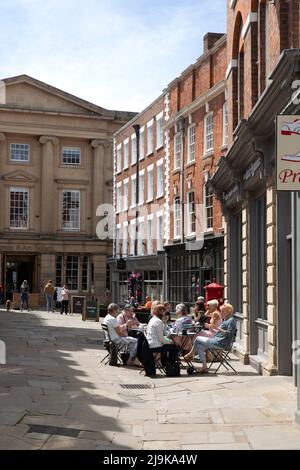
[56, 168]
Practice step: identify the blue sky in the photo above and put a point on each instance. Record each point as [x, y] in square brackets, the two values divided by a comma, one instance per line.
[117, 54]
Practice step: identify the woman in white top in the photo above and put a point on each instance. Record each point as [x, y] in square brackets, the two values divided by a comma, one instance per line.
[155, 335]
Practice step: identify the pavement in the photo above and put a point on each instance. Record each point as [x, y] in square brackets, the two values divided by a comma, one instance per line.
[54, 394]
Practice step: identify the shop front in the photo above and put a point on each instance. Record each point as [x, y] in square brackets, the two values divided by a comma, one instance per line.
[189, 271]
[260, 236]
[150, 272]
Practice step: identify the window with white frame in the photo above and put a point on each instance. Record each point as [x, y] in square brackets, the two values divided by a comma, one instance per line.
[159, 131]
[72, 273]
[132, 237]
[141, 237]
[126, 154]
[141, 186]
[150, 137]
[118, 197]
[71, 269]
[71, 156]
[85, 269]
[150, 235]
[126, 194]
[177, 151]
[119, 158]
[133, 191]
[133, 149]
[191, 143]
[19, 208]
[71, 210]
[150, 183]
[142, 143]
[225, 124]
[160, 232]
[118, 240]
[191, 219]
[208, 207]
[160, 178]
[208, 132]
[125, 239]
[19, 152]
[177, 218]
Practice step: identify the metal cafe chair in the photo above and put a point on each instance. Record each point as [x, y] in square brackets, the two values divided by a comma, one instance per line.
[222, 355]
[110, 346]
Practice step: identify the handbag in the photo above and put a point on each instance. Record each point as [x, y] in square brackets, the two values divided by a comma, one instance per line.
[173, 369]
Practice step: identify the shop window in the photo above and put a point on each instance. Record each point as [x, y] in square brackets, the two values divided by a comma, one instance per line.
[85, 273]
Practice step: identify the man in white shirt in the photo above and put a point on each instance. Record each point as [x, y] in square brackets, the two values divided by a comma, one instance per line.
[116, 332]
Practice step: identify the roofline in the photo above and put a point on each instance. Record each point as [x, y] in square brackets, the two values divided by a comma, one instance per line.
[61, 93]
[200, 59]
[138, 115]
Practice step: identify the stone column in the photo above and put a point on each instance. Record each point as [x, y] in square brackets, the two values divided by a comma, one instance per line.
[108, 173]
[245, 283]
[98, 179]
[47, 271]
[3, 209]
[271, 366]
[48, 211]
[100, 276]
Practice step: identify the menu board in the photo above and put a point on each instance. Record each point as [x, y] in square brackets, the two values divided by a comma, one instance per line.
[78, 304]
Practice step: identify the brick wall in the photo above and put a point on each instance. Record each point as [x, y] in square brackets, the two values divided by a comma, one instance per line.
[262, 44]
[142, 119]
[193, 84]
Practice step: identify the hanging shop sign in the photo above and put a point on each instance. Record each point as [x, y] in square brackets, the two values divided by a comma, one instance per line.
[288, 153]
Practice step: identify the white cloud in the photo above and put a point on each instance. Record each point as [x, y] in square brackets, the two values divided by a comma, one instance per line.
[117, 54]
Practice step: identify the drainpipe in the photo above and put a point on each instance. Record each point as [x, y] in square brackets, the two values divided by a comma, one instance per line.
[136, 128]
[297, 346]
[180, 123]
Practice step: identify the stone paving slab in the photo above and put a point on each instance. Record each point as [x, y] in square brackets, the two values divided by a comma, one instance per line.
[53, 378]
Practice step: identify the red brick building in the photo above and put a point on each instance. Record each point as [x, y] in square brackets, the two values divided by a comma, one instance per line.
[260, 238]
[197, 134]
[139, 202]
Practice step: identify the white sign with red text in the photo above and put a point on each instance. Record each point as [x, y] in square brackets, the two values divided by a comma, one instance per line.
[288, 153]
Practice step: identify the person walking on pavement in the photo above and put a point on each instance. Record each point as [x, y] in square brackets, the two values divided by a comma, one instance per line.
[64, 300]
[49, 291]
[24, 290]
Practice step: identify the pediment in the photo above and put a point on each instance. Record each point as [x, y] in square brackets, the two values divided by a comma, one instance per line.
[28, 93]
[19, 176]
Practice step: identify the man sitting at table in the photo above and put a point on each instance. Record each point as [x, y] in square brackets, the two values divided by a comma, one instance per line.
[221, 340]
[116, 333]
[148, 303]
[127, 319]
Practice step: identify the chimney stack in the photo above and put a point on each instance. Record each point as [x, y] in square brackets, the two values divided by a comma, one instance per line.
[210, 40]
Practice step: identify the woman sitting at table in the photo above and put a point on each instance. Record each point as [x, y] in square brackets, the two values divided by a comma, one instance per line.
[127, 319]
[221, 339]
[211, 328]
[184, 321]
[155, 335]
